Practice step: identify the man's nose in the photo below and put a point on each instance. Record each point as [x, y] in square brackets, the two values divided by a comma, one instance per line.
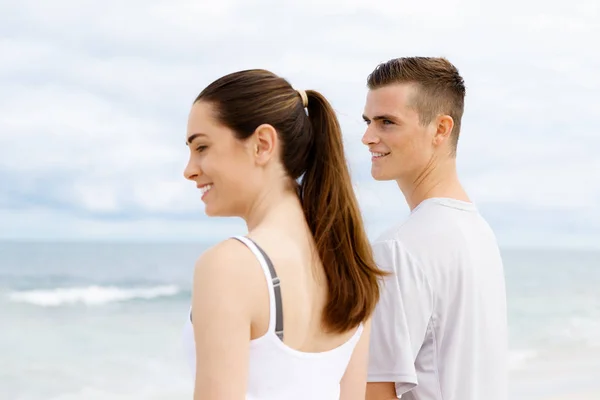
[369, 137]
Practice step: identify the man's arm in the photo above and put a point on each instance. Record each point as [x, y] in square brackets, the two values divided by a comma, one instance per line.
[399, 323]
[381, 391]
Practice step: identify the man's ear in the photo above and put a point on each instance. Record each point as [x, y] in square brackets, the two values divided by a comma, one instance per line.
[444, 127]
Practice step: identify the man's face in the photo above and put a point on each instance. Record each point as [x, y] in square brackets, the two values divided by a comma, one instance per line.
[400, 145]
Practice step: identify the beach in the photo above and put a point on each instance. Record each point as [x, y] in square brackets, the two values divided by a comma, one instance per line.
[578, 396]
[102, 321]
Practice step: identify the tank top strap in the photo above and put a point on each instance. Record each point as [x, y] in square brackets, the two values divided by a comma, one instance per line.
[275, 304]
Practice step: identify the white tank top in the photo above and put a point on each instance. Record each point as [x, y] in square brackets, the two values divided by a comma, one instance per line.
[276, 371]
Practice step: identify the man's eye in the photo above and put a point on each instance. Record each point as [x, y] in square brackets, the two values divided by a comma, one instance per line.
[387, 122]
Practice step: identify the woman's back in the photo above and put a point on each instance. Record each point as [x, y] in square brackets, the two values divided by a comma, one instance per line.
[291, 355]
[288, 243]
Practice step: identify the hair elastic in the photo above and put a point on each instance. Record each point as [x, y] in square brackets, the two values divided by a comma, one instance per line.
[304, 97]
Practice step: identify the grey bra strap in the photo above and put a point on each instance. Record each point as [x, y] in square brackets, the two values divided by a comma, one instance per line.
[276, 291]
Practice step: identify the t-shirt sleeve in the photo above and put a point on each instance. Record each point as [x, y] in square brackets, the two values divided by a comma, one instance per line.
[401, 317]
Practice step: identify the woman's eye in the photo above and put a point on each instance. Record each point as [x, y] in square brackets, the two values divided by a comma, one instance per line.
[200, 148]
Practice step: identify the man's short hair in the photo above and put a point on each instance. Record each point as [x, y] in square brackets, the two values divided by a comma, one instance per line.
[439, 87]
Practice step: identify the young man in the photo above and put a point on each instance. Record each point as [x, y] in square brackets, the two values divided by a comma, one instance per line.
[440, 328]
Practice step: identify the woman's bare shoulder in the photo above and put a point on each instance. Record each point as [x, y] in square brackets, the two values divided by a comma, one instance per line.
[229, 263]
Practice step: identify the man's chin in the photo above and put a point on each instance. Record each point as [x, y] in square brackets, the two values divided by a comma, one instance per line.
[381, 177]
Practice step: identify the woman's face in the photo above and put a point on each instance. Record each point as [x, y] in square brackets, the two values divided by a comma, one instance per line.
[222, 166]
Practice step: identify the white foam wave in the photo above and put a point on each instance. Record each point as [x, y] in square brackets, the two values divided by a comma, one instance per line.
[586, 329]
[517, 359]
[90, 295]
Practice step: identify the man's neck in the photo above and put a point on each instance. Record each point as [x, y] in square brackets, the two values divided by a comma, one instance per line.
[436, 180]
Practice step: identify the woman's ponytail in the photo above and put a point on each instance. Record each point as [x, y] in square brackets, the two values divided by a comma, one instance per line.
[333, 215]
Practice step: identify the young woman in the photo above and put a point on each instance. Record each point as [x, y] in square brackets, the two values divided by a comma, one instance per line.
[283, 312]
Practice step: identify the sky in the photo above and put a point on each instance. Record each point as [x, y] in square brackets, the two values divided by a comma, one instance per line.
[94, 98]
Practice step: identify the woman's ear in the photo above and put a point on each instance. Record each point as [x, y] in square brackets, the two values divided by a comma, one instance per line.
[265, 143]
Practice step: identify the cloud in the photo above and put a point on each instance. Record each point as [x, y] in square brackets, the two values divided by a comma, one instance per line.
[95, 98]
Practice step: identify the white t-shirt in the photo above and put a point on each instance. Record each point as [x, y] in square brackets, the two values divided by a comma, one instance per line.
[439, 331]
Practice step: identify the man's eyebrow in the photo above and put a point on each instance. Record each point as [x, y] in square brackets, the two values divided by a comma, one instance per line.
[193, 136]
[381, 117]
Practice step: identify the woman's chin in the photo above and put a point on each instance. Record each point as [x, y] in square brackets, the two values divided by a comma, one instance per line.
[211, 210]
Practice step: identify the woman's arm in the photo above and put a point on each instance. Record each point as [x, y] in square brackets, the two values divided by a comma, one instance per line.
[354, 381]
[221, 315]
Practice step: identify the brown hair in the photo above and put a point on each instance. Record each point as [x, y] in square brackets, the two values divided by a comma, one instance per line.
[312, 150]
[440, 88]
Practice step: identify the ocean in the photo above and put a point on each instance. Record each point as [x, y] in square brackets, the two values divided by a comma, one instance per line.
[99, 321]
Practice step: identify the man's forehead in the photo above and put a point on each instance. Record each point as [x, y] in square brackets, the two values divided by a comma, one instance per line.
[390, 99]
